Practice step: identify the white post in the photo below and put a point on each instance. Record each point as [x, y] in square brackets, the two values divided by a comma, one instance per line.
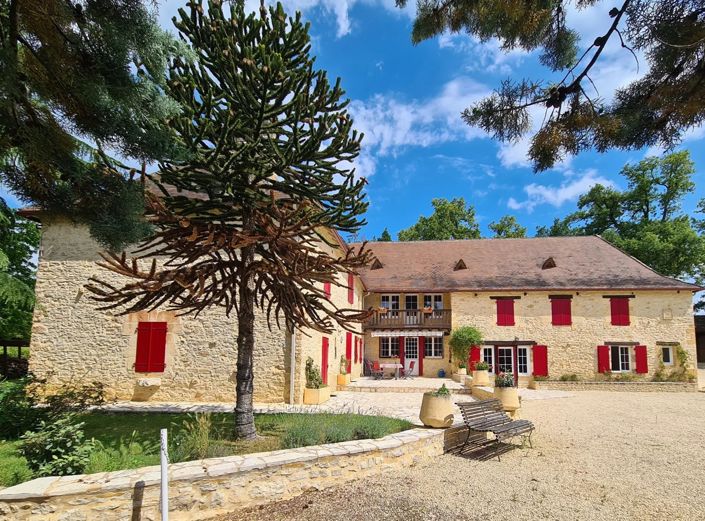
[164, 460]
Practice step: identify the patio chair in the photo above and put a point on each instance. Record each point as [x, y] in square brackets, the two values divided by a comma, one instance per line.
[407, 373]
[376, 371]
[488, 416]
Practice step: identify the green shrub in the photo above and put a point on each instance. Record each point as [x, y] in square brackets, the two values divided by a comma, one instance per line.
[194, 438]
[18, 411]
[313, 375]
[370, 431]
[302, 434]
[462, 339]
[572, 377]
[442, 391]
[128, 453]
[482, 366]
[343, 365]
[58, 448]
[504, 380]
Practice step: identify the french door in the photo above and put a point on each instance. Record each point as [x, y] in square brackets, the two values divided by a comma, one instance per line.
[411, 353]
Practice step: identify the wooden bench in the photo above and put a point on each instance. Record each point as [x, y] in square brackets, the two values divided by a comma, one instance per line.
[488, 416]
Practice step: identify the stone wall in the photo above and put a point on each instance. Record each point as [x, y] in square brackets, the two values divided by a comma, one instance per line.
[206, 488]
[674, 387]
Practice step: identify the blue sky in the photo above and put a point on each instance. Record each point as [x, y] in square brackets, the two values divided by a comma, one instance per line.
[407, 99]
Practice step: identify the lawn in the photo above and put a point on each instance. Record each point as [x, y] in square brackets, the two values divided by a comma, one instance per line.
[130, 440]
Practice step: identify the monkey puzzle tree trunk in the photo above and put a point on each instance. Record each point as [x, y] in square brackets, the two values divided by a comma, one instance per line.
[244, 416]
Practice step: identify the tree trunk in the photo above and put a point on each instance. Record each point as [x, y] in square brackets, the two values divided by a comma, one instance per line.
[244, 416]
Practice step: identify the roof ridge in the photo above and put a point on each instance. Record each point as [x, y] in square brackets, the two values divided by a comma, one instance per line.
[481, 239]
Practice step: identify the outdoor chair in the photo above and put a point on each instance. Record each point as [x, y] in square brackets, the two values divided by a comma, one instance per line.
[376, 371]
[407, 373]
[488, 416]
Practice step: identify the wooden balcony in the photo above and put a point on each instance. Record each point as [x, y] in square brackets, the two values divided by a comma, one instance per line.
[409, 319]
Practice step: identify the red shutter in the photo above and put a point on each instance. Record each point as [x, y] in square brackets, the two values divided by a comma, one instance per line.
[603, 359]
[351, 288]
[348, 350]
[619, 306]
[324, 360]
[474, 357]
[540, 356]
[151, 347]
[642, 365]
[402, 350]
[505, 312]
[422, 353]
[560, 311]
[326, 289]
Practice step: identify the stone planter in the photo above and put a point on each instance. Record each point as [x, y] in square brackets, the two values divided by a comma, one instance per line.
[480, 378]
[436, 411]
[509, 396]
[462, 370]
[343, 379]
[316, 396]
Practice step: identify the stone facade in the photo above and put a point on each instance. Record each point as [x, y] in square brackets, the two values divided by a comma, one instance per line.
[72, 339]
[206, 488]
[657, 317]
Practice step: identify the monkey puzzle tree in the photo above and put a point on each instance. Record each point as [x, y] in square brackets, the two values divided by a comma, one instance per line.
[240, 222]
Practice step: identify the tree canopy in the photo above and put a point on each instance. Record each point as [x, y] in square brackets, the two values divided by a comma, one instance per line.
[646, 219]
[449, 220]
[19, 240]
[655, 109]
[78, 80]
[241, 219]
[385, 236]
[507, 227]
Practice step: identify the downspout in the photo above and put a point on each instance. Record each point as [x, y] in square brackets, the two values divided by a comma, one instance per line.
[292, 366]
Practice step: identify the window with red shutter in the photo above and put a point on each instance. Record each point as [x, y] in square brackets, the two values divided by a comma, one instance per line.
[150, 355]
[326, 289]
[561, 312]
[474, 357]
[619, 308]
[348, 350]
[351, 288]
[324, 360]
[603, 359]
[540, 357]
[505, 312]
[640, 358]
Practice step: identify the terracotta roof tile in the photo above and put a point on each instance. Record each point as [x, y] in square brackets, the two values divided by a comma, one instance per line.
[511, 265]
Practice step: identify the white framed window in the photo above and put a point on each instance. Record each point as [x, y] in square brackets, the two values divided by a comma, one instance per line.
[620, 359]
[505, 359]
[523, 360]
[411, 347]
[488, 357]
[412, 301]
[667, 355]
[390, 302]
[433, 348]
[389, 347]
[433, 301]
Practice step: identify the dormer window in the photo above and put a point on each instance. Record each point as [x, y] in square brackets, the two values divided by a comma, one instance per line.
[460, 265]
[548, 264]
[376, 265]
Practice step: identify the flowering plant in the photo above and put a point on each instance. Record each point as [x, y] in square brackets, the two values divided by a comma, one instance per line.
[482, 366]
[504, 380]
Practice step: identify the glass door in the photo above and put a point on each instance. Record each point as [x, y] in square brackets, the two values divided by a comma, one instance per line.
[411, 354]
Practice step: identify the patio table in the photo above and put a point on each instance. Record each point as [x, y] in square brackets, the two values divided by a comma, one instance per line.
[396, 368]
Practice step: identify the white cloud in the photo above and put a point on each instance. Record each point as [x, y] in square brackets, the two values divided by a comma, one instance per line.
[569, 190]
[486, 57]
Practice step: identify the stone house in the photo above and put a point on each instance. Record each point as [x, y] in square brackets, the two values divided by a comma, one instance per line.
[545, 307]
[161, 356]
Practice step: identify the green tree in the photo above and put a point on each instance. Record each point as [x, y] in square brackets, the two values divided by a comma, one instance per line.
[461, 340]
[450, 220]
[559, 228]
[19, 240]
[77, 72]
[267, 136]
[385, 237]
[507, 227]
[646, 219]
[654, 109]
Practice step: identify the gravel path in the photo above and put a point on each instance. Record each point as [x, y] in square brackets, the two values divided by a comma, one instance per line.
[596, 456]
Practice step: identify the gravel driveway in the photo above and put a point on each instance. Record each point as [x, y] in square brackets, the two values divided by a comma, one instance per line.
[596, 456]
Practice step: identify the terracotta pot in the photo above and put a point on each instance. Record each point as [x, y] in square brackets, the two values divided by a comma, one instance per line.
[343, 379]
[480, 378]
[436, 411]
[316, 396]
[509, 396]
[462, 370]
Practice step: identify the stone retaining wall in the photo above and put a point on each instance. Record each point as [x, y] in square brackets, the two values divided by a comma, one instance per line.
[202, 489]
[371, 389]
[676, 387]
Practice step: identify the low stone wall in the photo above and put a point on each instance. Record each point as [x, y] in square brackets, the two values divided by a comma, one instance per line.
[675, 387]
[370, 389]
[201, 489]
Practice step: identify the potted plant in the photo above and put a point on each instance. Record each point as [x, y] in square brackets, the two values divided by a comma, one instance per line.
[461, 340]
[343, 377]
[315, 392]
[506, 392]
[480, 375]
[437, 408]
[428, 309]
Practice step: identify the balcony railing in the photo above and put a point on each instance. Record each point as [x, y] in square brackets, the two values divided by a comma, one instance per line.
[409, 319]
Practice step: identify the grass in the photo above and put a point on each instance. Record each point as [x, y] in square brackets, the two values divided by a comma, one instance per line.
[12, 352]
[131, 440]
